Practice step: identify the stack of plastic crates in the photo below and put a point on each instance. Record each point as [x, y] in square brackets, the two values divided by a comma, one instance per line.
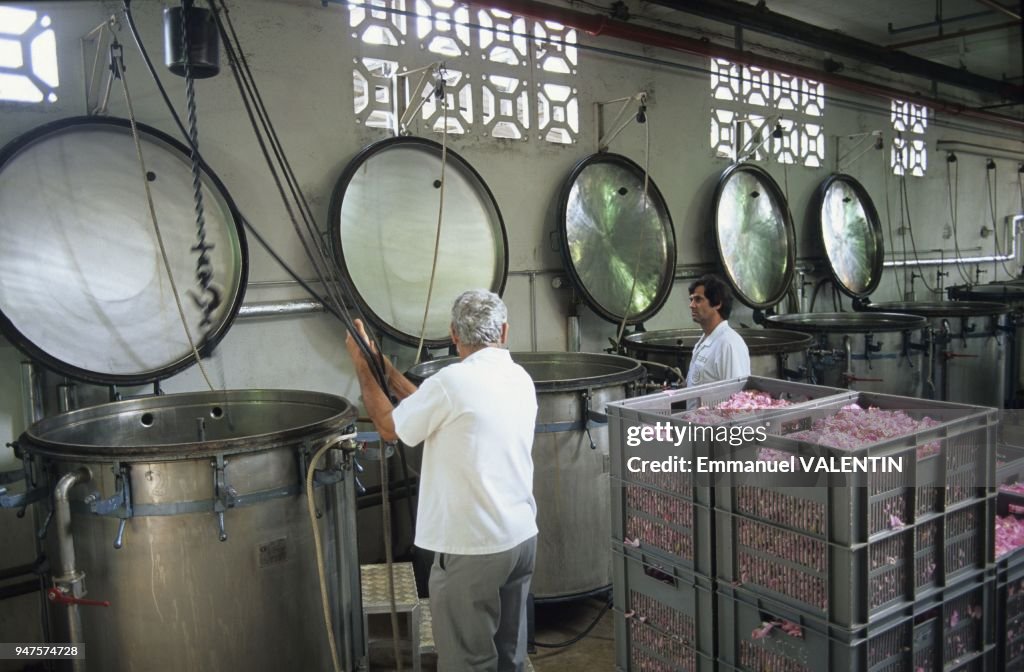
[869, 566]
[663, 522]
[1010, 565]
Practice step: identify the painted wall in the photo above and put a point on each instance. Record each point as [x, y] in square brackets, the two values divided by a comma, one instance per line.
[301, 54]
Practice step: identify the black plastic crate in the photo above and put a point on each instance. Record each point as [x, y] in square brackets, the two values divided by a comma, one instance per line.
[661, 523]
[854, 586]
[664, 616]
[953, 630]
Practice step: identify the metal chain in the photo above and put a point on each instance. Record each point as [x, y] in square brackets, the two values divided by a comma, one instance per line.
[209, 299]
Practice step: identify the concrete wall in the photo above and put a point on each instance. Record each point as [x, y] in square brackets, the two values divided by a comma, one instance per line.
[301, 54]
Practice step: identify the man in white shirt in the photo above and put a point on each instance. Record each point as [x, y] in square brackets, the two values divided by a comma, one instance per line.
[721, 353]
[476, 511]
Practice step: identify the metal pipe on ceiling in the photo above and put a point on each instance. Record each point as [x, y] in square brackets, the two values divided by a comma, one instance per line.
[763, 20]
[1000, 8]
[952, 36]
[599, 25]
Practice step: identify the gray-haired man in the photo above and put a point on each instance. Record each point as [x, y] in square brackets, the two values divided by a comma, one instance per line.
[476, 508]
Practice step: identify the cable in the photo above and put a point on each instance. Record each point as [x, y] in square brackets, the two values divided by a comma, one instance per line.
[311, 509]
[888, 222]
[991, 188]
[442, 99]
[953, 203]
[569, 642]
[117, 66]
[641, 118]
[910, 228]
[339, 310]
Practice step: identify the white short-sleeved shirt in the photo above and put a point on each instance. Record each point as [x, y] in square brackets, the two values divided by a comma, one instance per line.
[476, 419]
[720, 355]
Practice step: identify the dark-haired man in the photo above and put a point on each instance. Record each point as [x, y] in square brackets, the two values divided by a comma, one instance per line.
[721, 353]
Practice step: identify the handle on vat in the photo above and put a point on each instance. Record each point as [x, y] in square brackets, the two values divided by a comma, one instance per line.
[60, 597]
[957, 355]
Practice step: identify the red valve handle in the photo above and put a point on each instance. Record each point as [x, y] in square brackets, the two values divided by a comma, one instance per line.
[60, 597]
[954, 355]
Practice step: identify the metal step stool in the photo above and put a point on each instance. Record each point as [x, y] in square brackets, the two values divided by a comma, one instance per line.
[376, 600]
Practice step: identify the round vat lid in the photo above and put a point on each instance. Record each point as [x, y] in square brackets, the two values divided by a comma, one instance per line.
[759, 341]
[848, 322]
[618, 245]
[851, 234]
[755, 235]
[940, 308]
[83, 287]
[384, 214]
[1005, 292]
[556, 371]
[166, 427]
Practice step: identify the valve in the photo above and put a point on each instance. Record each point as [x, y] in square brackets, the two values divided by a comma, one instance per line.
[58, 596]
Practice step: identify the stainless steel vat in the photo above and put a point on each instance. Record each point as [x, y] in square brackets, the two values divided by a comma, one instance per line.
[774, 353]
[969, 358]
[871, 352]
[570, 464]
[205, 495]
[1011, 294]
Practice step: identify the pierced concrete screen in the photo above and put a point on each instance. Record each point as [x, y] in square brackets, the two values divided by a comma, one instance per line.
[28, 56]
[747, 102]
[909, 147]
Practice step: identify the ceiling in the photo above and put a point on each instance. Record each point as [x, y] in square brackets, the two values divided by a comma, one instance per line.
[960, 50]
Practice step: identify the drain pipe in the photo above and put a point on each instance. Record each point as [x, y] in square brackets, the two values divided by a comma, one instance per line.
[71, 582]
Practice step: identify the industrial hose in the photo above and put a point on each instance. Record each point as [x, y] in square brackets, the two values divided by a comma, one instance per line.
[311, 506]
[587, 631]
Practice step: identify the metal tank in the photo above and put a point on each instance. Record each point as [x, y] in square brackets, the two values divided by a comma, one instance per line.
[969, 341]
[570, 464]
[1011, 294]
[774, 353]
[188, 514]
[871, 352]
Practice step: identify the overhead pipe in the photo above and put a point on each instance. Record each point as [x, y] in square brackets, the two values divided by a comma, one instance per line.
[1000, 8]
[599, 25]
[763, 20]
[952, 36]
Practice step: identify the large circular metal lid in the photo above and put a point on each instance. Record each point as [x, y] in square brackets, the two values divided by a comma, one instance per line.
[754, 230]
[939, 308]
[556, 371]
[167, 427]
[618, 244]
[83, 287]
[384, 221]
[851, 234]
[816, 323]
[1004, 292]
[759, 341]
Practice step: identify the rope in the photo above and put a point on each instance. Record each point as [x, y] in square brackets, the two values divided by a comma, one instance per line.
[115, 47]
[210, 299]
[321, 573]
[888, 222]
[440, 215]
[643, 231]
[953, 203]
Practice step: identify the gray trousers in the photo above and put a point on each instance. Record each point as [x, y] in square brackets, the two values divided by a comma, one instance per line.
[478, 604]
